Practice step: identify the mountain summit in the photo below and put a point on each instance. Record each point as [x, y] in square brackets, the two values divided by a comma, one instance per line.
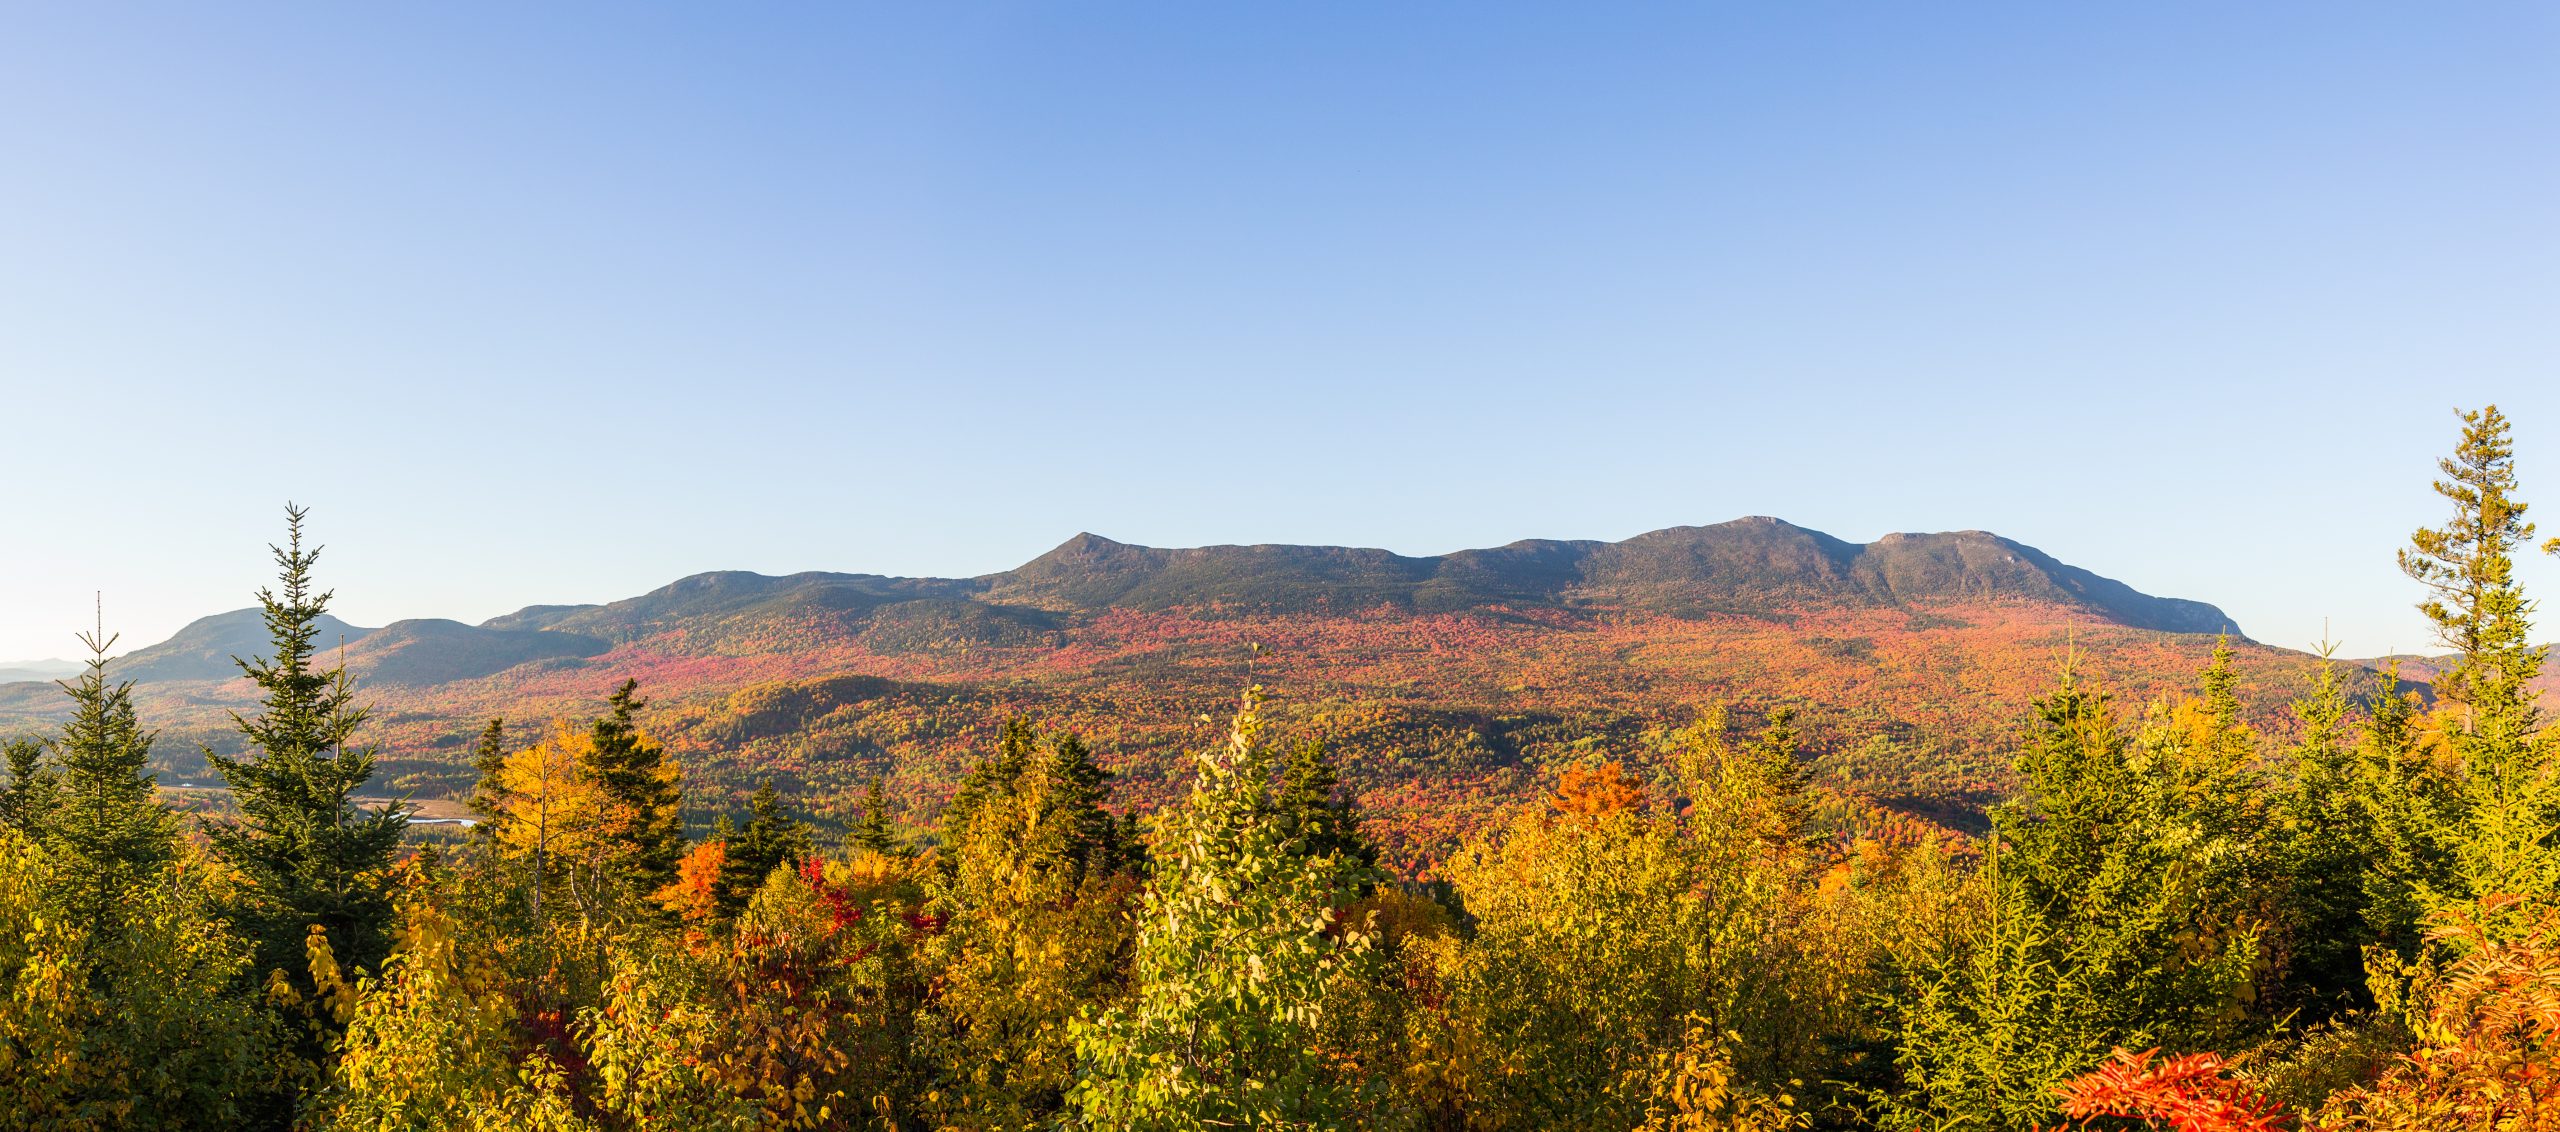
[1752, 566]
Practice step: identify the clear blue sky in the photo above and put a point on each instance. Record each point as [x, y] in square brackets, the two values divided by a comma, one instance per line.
[548, 303]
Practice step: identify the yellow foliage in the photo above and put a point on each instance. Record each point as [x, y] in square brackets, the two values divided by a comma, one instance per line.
[431, 1044]
[552, 807]
[1692, 1089]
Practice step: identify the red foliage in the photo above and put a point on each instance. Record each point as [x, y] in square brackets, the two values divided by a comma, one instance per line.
[842, 912]
[2188, 1094]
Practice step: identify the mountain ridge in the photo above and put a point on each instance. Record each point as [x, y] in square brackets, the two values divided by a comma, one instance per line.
[1756, 566]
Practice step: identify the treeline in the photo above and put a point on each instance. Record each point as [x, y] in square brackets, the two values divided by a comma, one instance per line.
[2177, 922]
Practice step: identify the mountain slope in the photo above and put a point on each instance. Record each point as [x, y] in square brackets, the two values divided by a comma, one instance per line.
[203, 650]
[437, 651]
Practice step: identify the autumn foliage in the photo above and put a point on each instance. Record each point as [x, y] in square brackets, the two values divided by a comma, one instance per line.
[1335, 912]
[2191, 1093]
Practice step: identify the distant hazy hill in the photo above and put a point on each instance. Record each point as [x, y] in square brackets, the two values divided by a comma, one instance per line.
[203, 650]
[14, 671]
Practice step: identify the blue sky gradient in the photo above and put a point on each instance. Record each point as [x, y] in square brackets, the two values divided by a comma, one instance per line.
[555, 303]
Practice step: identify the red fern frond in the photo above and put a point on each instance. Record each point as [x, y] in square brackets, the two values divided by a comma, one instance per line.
[2186, 1094]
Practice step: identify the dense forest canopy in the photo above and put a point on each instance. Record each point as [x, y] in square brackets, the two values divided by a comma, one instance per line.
[2173, 911]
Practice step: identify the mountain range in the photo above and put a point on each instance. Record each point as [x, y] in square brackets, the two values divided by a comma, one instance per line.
[1749, 567]
[1449, 683]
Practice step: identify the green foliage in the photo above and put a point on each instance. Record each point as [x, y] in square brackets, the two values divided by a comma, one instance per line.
[1993, 1024]
[127, 1016]
[2122, 897]
[310, 856]
[100, 812]
[770, 841]
[1237, 950]
[1608, 932]
[1314, 812]
[489, 795]
[1039, 906]
[2330, 855]
[2511, 799]
[2468, 567]
[28, 793]
[634, 772]
[2410, 807]
[873, 834]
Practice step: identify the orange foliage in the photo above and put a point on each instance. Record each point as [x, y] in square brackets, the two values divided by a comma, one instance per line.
[2489, 1039]
[2187, 1094]
[1593, 793]
[693, 896]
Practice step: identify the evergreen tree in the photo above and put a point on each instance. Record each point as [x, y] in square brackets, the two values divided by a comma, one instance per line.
[1777, 753]
[2478, 609]
[489, 795]
[1016, 744]
[1313, 815]
[28, 794]
[104, 816]
[1038, 908]
[770, 840]
[1077, 787]
[2121, 889]
[2509, 845]
[634, 772]
[2134, 869]
[873, 834]
[2410, 811]
[2328, 857]
[312, 859]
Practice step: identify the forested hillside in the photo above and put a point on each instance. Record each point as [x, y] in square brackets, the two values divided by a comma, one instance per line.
[1450, 687]
[2175, 911]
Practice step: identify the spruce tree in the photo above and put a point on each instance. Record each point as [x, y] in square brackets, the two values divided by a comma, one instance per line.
[489, 795]
[1313, 815]
[770, 840]
[2509, 843]
[634, 772]
[872, 833]
[2131, 870]
[1037, 903]
[1078, 786]
[104, 814]
[27, 796]
[311, 857]
[2327, 855]
[1777, 753]
[2410, 812]
[2473, 600]
[1016, 744]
